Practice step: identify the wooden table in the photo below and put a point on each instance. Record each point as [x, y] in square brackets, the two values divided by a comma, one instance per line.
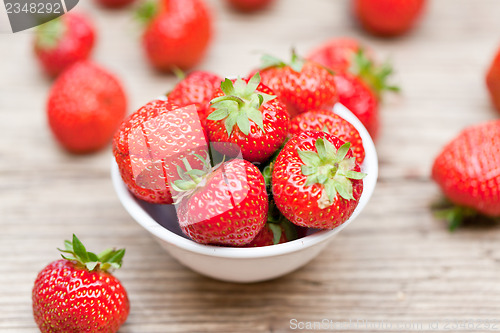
[396, 264]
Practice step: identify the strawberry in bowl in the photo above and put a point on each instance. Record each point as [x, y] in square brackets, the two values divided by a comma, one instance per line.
[220, 223]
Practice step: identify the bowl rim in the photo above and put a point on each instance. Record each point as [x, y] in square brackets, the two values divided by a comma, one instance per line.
[369, 165]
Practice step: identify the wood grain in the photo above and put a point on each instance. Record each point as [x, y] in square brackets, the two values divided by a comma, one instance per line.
[395, 263]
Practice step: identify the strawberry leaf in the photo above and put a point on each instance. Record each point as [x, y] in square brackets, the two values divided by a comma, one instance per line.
[256, 116]
[227, 87]
[243, 123]
[276, 229]
[309, 158]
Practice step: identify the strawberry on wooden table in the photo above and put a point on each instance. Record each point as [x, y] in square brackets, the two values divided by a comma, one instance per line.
[177, 34]
[62, 42]
[316, 181]
[388, 17]
[247, 114]
[85, 106]
[302, 85]
[79, 294]
[196, 88]
[468, 174]
[493, 81]
[224, 205]
[149, 145]
[328, 121]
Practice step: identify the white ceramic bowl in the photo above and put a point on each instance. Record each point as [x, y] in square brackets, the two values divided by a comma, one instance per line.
[243, 264]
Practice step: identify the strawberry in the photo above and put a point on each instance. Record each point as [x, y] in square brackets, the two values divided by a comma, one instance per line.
[114, 3]
[85, 106]
[247, 114]
[327, 121]
[316, 181]
[467, 171]
[248, 6]
[302, 85]
[493, 81]
[197, 88]
[349, 55]
[336, 54]
[224, 205]
[177, 33]
[62, 42]
[151, 143]
[78, 294]
[388, 17]
[355, 95]
[277, 229]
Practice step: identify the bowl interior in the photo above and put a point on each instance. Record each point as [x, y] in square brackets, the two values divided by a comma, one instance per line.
[161, 220]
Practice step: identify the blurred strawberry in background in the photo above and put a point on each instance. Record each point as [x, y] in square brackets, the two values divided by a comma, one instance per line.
[62, 42]
[360, 81]
[493, 81]
[249, 5]
[336, 54]
[177, 34]
[86, 104]
[114, 3]
[388, 17]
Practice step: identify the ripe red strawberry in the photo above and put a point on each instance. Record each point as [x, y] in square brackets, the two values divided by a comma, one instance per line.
[388, 17]
[197, 88]
[316, 181]
[277, 229]
[149, 145]
[114, 3]
[493, 81]
[468, 174]
[302, 85]
[177, 34]
[327, 121]
[336, 54]
[85, 106]
[225, 206]
[247, 114]
[249, 5]
[355, 94]
[62, 42]
[78, 294]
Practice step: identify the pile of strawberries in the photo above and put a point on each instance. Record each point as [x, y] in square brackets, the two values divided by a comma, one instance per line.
[256, 160]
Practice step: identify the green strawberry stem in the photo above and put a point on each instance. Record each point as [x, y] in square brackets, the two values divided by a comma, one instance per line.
[332, 169]
[375, 76]
[276, 221]
[146, 11]
[296, 62]
[75, 250]
[457, 215]
[49, 34]
[240, 104]
[191, 179]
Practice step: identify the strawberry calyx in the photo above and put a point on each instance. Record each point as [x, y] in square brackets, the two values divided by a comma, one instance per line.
[191, 179]
[457, 215]
[146, 11]
[375, 76]
[332, 169]
[296, 62]
[108, 259]
[277, 223]
[49, 34]
[240, 104]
